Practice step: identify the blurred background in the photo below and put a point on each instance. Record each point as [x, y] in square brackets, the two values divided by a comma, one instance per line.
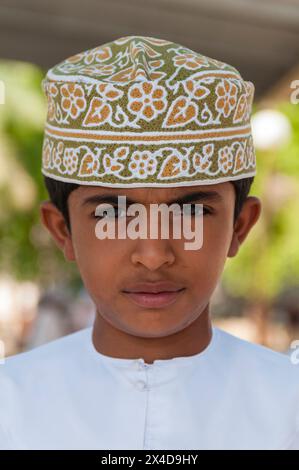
[41, 295]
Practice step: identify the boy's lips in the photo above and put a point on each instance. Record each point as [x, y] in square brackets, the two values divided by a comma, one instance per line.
[154, 294]
[153, 287]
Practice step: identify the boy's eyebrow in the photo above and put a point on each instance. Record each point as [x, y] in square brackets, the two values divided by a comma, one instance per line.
[195, 196]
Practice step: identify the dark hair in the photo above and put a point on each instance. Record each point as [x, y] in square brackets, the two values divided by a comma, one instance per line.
[60, 191]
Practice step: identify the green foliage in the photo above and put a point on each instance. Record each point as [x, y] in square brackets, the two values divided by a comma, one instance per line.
[268, 259]
[27, 250]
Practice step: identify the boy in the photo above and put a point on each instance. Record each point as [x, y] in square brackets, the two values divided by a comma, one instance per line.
[155, 123]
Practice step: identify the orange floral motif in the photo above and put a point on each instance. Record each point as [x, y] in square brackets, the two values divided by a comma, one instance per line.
[240, 109]
[196, 90]
[47, 155]
[147, 100]
[98, 113]
[250, 154]
[98, 69]
[121, 153]
[52, 92]
[181, 111]
[99, 54]
[109, 92]
[106, 69]
[202, 162]
[89, 165]
[249, 94]
[239, 158]
[57, 154]
[189, 61]
[156, 63]
[173, 166]
[124, 75]
[227, 97]
[142, 164]
[70, 160]
[135, 73]
[112, 165]
[73, 100]
[225, 159]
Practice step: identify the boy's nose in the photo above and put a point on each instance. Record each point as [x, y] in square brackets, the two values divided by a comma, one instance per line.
[153, 253]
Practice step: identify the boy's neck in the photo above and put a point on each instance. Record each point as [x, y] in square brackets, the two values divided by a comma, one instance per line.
[191, 340]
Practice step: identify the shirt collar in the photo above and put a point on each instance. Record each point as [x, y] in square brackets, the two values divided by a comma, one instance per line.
[124, 362]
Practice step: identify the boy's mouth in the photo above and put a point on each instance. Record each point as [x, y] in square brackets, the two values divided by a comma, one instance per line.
[154, 294]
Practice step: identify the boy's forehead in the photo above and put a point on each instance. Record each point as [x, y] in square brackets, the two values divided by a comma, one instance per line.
[147, 194]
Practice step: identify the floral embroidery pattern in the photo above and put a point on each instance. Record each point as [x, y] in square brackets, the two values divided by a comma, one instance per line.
[73, 100]
[190, 61]
[70, 160]
[225, 159]
[195, 89]
[182, 111]
[250, 154]
[174, 165]
[98, 112]
[147, 100]
[142, 164]
[52, 94]
[227, 97]
[241, 109]
[89, 164]
[99, 54]
[127, 166]
[46, 159]
[57, 153]
[239, 157]
[202, 161]
[149, 110]
[112, 165]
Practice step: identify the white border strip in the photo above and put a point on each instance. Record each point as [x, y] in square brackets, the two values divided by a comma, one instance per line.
[170, 140]
[149, 185]
[149, 134]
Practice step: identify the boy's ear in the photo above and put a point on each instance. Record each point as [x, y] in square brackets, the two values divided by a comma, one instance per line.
[248, 216]
[53, 220]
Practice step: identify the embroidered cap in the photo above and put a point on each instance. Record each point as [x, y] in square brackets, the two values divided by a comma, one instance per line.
[141, 111]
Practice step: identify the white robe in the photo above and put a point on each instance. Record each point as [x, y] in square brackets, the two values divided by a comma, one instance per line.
[232, 395]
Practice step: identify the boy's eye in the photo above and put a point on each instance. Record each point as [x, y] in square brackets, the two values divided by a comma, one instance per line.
[195, 209]
[111, 213]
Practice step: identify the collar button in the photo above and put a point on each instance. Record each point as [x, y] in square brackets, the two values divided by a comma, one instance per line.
[141, 385]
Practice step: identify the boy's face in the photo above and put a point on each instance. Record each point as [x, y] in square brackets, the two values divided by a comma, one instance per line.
[111, 268]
